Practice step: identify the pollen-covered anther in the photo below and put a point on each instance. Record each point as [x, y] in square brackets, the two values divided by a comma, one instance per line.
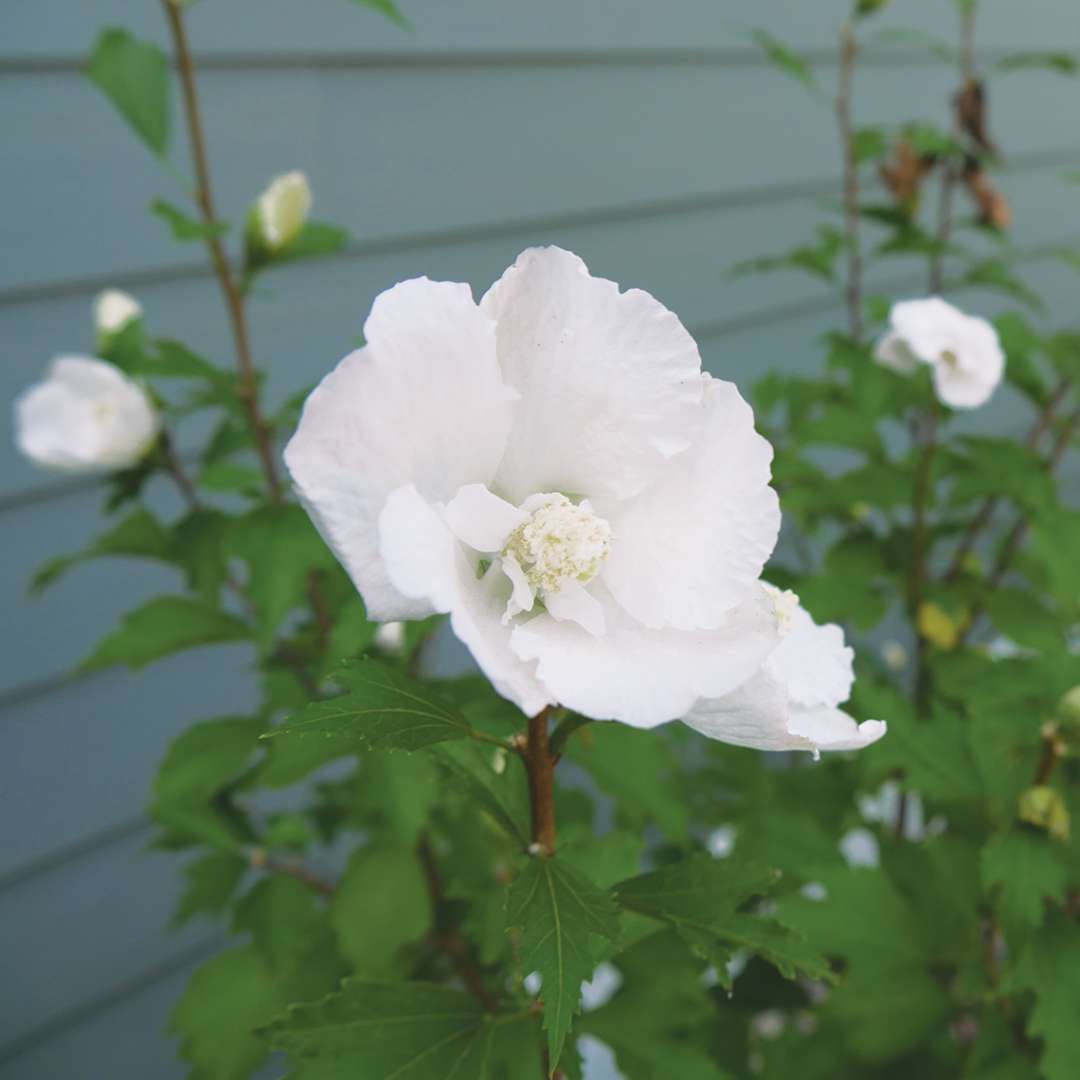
[562, 541]
[785, 604]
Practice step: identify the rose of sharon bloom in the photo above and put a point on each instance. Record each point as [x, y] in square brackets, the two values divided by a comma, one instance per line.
[85, 416]
[113, 310]
[282, 209]
[551, 467]
[792, 702]
[963, 351]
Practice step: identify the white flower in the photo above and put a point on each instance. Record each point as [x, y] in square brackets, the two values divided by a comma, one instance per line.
[85, 416]
[963, 351]
[113, 310]
[282, 209]
[550, 467]
[792, 702]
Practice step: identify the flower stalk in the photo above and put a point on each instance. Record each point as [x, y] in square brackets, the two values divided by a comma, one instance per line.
[853, 289]
[540, 768]
[247, 390]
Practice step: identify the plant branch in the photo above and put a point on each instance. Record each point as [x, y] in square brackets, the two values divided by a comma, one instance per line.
[261, 860]
[449, 940]
[540, 768]
[971, 534]
[853, 288]
[248, 389]
[936, 284]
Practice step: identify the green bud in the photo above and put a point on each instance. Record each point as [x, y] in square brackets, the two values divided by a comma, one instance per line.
[1044, 808]
[868, 7]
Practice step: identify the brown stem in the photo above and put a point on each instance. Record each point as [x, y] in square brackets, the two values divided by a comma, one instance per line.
[540, 768]
[260, 860]
[853, 289]
[234, 302]
[986, 511]
[175, 468]
[967, 43]
[449, 940]
[1014, 538]
[1051, 754]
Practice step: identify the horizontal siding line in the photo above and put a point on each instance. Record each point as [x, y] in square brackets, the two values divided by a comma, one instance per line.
[353, 60]
[77, 849]
[709, 331]
[110, 998]
[646, 209]
[23, 694]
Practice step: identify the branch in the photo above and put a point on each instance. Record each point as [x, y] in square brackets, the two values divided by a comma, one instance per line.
[1043, 421]
[540, 767]
[234, 302]
[853, 291]
[261, 860]
[936, 284]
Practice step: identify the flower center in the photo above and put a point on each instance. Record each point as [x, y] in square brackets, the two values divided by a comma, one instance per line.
[950, 358]
[560, 542]
[785, 603]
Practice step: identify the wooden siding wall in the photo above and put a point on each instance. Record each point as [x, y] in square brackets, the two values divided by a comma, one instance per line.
[649, 137]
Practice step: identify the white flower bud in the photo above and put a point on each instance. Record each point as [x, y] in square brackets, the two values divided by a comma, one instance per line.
[282, 209]
[113, 310]
[85, 416]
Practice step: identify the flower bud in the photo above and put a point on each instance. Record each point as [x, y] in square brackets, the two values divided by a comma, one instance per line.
[1044, 808]
[113, 310]
[281, 210]
[1069, 707]
[85, 416]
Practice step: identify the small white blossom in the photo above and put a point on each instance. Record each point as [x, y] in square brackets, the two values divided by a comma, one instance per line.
[282, 209]
[793, 702]
[963, 351]
[551, 467]
[113, 310]
[85, 416]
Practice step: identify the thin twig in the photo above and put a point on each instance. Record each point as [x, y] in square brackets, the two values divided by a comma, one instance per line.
[449, 940]
[971, 534]
[234, 302]
[944, 226]
[853, 289]
[175, 468]
[260, 860]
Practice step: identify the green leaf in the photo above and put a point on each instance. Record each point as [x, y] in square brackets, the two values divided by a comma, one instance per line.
[786, 59]
[919, 39]
[210, 884]
[371, 1030]
[380, 905]
[134, 75]
[638, 770]
[501, 795]
[1026, 869]
[139, 535]
[1050, 968]
[817, 259]
[241, 479]
[225, 1000]
[162, 626]
[198, 766]
[1063, 63]
[183, 226]
[382, 708]
[870, 144]
[995, 276]
[1020, 616]
[389, 9]
[557, 910]
[198, 546]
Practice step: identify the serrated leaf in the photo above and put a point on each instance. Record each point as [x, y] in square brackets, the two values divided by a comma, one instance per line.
[381, 708]
[161, 627]
[183, 226]
[556, 911]
[380, 905]
[199, 765]
[139, 535]
[1063, 63]
[134, 75]
[210, 882]
[502, 795]
[373, 1030]
[1050, 968]
[1025, 868]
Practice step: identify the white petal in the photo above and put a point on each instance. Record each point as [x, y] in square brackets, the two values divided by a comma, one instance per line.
[963, 390]
[422, 403]
[892, 352]
[610, 381]
[522, 597]
[574, 603]
[424, 559]
[639, 676]
[755, 715]
[482, 520]
[113, 310]
[282, 209]
[693, 545]
[928, 327]
[833, 729]
[813, 662]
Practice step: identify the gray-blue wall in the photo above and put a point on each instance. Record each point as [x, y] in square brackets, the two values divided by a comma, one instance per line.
[649, 137]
